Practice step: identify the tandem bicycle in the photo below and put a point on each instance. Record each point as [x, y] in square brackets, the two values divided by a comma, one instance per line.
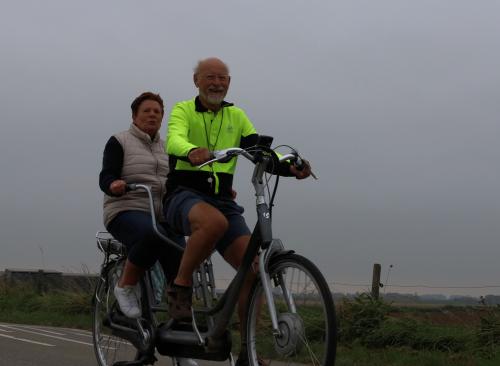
[290, 316]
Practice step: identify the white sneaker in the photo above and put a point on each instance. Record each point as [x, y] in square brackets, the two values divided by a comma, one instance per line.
[128, 301]
[181, 361]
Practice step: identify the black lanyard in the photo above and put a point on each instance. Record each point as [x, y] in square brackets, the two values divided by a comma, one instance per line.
[210, 179]
[206, 131]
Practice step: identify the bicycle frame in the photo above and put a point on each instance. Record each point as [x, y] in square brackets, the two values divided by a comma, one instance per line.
[261, 240]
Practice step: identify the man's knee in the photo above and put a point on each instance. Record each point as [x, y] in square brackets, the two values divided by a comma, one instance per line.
[208, 221]
[211, 227]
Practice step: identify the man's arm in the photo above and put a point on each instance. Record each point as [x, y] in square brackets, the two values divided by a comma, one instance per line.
[177, 142]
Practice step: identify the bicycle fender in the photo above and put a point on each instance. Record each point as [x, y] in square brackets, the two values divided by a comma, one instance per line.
[275, 249]
[275, 256]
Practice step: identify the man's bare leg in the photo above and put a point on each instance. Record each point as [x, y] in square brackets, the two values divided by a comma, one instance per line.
[208, 225]
[234, 256]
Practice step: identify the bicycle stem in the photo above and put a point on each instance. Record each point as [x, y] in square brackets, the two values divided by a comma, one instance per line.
[263, 215]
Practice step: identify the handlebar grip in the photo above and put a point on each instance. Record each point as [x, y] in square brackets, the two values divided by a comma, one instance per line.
[299, 164]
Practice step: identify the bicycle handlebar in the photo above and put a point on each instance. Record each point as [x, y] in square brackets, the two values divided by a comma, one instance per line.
[223, 156]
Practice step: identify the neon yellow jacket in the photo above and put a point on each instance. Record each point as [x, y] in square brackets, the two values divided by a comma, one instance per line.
[190, 126]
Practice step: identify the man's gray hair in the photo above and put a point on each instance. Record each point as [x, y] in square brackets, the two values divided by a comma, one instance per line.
[196, 69]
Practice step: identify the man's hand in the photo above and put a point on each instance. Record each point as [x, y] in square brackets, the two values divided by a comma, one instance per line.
[199, 155]
[302, 173]
[117, 187]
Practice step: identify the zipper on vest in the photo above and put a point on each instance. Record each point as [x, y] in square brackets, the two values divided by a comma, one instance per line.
[157, 213]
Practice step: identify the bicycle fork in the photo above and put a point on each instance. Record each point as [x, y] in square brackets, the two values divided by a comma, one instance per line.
[275, 246]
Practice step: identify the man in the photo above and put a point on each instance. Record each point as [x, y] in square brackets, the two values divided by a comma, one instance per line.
[199, 203]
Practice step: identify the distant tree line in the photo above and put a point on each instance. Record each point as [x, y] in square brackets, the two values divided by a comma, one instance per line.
[432, 299]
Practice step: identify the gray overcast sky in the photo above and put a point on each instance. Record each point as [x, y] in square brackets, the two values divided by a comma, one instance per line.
[396, 104]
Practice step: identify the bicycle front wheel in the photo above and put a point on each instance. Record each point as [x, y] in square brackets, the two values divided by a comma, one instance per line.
[108, 347]
[305, 315]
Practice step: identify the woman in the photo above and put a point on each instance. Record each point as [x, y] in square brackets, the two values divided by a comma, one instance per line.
[137, 156]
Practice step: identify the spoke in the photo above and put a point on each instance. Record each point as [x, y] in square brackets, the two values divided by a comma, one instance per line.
[311, 353]
[306, 329]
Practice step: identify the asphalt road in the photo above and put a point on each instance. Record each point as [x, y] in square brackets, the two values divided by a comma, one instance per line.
[29, 345]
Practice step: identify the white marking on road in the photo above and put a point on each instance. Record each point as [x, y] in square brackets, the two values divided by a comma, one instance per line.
[4, 330]
[48, 335]
[77, 331]
[40, 329]
[82, 334]
[26, 340]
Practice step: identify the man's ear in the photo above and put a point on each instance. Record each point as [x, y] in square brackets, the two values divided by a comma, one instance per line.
[195, 79]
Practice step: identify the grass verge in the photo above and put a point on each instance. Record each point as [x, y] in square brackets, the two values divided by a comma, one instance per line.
[23, 305]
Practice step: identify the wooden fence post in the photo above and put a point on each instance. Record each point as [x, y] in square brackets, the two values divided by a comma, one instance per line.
[376, 280]
[39, 281]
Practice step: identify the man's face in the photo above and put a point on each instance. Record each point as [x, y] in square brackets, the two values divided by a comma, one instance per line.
[212, 81]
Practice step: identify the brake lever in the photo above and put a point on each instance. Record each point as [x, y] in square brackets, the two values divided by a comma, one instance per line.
[221, 156]
[211, 161]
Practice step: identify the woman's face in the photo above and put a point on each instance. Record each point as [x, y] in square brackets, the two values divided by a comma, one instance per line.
[149, 116]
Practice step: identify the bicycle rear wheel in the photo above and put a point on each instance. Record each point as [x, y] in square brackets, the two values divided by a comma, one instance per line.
[108, 347]
[306, 316]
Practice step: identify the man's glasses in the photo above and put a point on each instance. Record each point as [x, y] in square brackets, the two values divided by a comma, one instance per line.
[213, 77]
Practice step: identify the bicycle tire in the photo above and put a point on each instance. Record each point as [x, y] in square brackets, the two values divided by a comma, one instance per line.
[108, 347]
[309, 335]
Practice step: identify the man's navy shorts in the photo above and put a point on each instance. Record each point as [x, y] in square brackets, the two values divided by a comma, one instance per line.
[178, 205]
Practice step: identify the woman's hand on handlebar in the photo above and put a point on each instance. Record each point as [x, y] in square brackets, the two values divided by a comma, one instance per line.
[199, 155]
[118, 187]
